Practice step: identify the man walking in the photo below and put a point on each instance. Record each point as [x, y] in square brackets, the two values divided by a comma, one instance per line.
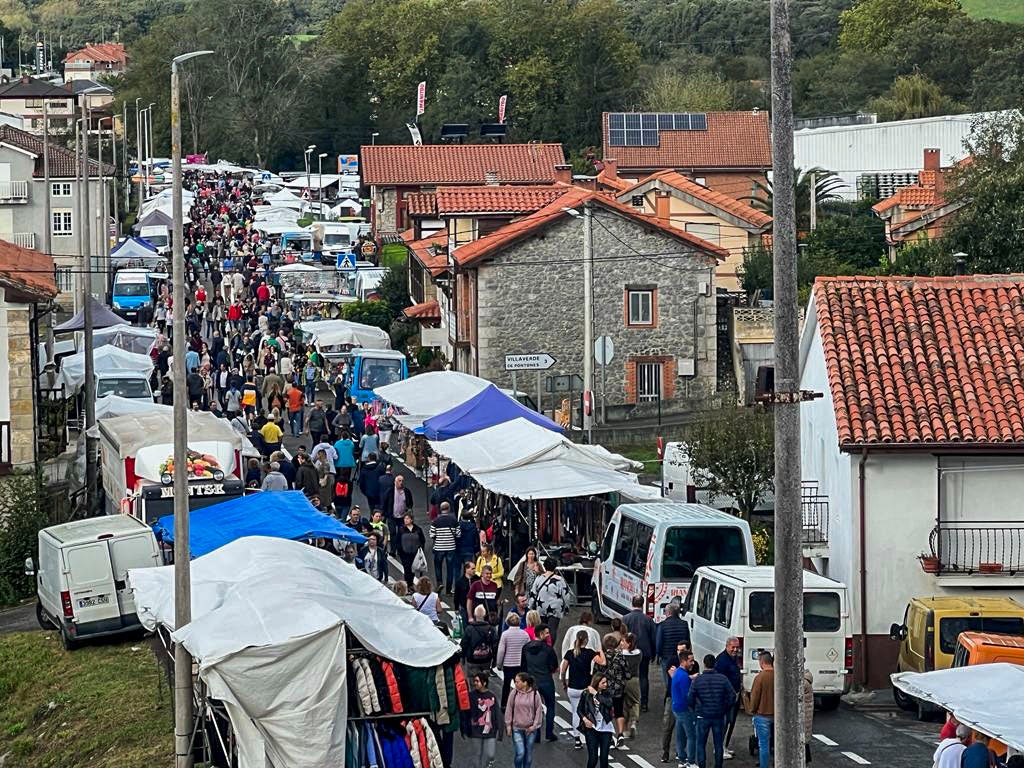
[444, 535]
[642, 625]
[686, 735]
[762, 707]
[397, 501]
[539, 660]
[671, 632]
[710, 698]
[728, 664]
[479, 644]
[317, 423]
[550, 597]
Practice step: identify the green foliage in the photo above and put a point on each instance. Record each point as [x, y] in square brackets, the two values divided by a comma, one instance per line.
[1002, 10]
[870, 25]
[22, 514]
[913, 96]
[927, 258]
[394, 288]
[699, 91]
[848, 233]
[369, 313]
[764, 544]
[733, 454]
[825, 184]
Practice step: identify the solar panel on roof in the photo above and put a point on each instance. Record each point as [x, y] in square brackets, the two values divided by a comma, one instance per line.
[699, 122]
[666, 122]
[643, 129]
[616, 121]
[682, 121]
[617, 137]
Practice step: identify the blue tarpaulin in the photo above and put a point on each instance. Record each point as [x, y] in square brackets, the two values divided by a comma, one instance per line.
[491, 406]
[282, 514]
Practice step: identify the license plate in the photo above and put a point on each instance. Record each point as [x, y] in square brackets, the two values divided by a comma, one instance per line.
[89, 602]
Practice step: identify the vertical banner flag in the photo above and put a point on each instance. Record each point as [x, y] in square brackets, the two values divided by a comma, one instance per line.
[501, 108]
[421, 98]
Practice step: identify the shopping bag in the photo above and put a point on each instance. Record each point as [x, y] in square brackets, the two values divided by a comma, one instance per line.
[419, 563]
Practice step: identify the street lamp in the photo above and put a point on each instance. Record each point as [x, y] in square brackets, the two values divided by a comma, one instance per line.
[373, 137]
[149, 143]
[182, 556]
[320, 182]
[138, 148]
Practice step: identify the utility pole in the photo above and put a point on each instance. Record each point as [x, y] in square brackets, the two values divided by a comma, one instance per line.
[113, 186]
[103, 240]
[588, 320]
[138, 151]
[814, 201]
[90, 383]
[124, 156]
[79, 213]
[48, 227]
[182, 554]
[789, 740]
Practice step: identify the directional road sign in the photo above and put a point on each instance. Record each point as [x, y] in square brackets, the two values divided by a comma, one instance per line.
[539, 362]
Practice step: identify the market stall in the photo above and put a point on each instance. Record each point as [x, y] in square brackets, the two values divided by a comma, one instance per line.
[106, 359]
[131, 338]
[102, 317]
[488, 407]
[291, 644]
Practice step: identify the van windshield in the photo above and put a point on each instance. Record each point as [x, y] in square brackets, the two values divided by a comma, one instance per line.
[132, 388]
[951, 627]
[130, 289]
[377, 373]
[337, 239]
[688, 548]
[822, 612]
[157, 240]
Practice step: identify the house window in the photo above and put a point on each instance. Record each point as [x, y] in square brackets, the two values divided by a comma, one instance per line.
[637, 201]
[33, 103]
[710, 232]
[648, 382]
[60, 223]
[60, 189]
[640, 307]
[64, 283]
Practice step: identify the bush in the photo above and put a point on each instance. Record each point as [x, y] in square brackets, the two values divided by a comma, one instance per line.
[22, 514]
[764, 545]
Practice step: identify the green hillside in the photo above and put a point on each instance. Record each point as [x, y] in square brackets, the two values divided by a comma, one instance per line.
[1002, 10]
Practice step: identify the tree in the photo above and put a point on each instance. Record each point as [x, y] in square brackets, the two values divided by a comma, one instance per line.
[925, 257]
[848, 233]
[913, 96]
[700, 91]
[870, 25]
[825, 185]
[368, 313]
[733, 454]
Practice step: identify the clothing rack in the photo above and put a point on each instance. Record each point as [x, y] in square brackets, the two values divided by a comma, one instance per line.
[393, 716]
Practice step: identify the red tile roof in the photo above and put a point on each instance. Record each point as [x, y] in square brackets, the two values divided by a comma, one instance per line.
[98, 52]
[429, 252]
[426, 310]
[406, 164]
[718, 200]
[914, 195]
[496, 199]
[924, 361]
[62, 160]
[27, 271]
[421, 203]
[732, 140]
[574, 196]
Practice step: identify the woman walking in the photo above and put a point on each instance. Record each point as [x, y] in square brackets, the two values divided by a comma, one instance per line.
[426, 600]
[523, 718]
[595, 712]
[576, 673]
[528, 572]
[483, 723]
[616, 672]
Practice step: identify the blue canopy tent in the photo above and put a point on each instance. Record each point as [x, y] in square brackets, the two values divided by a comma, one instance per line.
[134, 250]
[282, 514]
[489, 407]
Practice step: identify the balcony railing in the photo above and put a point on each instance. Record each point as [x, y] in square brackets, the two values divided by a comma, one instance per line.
[814, 514]
[24, 239]
[13, 191]
[979, 546]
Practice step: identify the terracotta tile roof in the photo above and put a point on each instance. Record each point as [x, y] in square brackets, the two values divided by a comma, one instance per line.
[27, 271]
[924, 360]
[722, 202]
[98, 52]
[429, 252]
[421, 203]
[574, 196]
[62, 160]
[406, 164]
[732, 140]
[496, 199]
[914, 195]
[427, 310]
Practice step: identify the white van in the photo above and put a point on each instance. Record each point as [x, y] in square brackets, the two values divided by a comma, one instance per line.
[130, 384]
[739, 601]
[157, 235]
[679, 484]
[654, 549]
[82, 572]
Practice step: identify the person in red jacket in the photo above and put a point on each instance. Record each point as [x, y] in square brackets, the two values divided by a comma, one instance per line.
[263, 294]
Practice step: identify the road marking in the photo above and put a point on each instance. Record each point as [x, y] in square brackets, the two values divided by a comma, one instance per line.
[562, 724]
[617, 765]
[566, 705]
[856, 758]
[825, 740]
[640, 761]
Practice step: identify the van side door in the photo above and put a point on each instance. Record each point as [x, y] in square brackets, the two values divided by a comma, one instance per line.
[602, 566]
[702, 639]
[137, 551]
[90, 582]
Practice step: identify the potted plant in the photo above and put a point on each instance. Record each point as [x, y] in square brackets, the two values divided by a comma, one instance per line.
[929, 562]
[990, 567]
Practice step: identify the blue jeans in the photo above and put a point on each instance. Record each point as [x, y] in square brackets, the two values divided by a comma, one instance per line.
[546, 689]
[310, 392]
[716, 725]
[295, 417]
[522, 743]
[686, 737]
[763, 731]
[440, 558]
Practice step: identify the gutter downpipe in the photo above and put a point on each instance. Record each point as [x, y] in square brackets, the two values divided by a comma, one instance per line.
[863, 571]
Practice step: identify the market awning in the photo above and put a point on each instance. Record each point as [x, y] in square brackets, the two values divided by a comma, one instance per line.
[984, 697]
[282, 515]
[485, 409]
[429, 394]
[131, 338]
[106, 359]
[561, 479]
[102, 317]
[134, 250]
[334, 333]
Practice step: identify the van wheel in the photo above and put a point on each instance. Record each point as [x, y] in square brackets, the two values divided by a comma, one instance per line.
[42, 618]
[924, 712]
[903, 701]
[67, 641]
[828, 703]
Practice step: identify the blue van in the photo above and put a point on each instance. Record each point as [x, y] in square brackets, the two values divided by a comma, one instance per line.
[132, 294]
[372, 368]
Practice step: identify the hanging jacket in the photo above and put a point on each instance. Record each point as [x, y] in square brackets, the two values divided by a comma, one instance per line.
[368, 675]
[380, 685]
[396, 751]
[419, 694]
[461, 688]
[371, 747]
[362, 689]
[393, 691]
[422, 732]
[414, 747]
[441, 716]
[433, 752]
[452, 699]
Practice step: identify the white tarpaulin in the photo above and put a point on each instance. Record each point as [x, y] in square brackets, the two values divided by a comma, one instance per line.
[130, 338]
[336, 333]
[267, 630]
[561, 479]
[985, 697]
[133, 431]
[430, 393]
[275, 213]
[106, 359]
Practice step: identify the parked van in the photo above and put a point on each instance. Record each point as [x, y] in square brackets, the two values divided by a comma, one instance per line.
[131, 294]
[81, 575]
[931, 626]
[654, 550]
[739, 601]
[974, 648]
[130, 384]
[157, 235]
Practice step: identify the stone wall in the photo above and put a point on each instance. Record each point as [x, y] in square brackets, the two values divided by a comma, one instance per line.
[531, 301]
[19, 355]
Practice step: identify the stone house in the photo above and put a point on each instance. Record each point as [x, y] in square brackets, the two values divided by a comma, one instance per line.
[27, 286]
[519, 290]
[723, 151]
[95, 60]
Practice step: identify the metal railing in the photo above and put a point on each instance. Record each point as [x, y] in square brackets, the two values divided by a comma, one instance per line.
[814, 513]
[13, 190]
[6, 457]
[24, 239]
[979, 546]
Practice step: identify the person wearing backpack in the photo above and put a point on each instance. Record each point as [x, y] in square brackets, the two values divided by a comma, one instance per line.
[479, 643]
[549, 596]
[540, 662]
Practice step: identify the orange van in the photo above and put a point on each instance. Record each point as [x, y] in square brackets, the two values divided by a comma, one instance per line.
[985, 648]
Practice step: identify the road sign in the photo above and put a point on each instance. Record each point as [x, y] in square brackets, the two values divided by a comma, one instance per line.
[566, 383]
[604, 350]
[368, 249]
[347, 262]
[265, 176]
[538, 362]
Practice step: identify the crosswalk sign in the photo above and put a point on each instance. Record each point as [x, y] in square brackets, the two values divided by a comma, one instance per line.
[347, 262]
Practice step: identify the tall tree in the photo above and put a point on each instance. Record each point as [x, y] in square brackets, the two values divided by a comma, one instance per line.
[870, 25]
[700, 91]
[913, 96]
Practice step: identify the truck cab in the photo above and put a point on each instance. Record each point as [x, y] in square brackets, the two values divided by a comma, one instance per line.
[159, 236]
[131, 294]
[372, 368]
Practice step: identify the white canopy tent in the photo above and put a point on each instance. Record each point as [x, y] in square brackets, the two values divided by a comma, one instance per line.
[336, 333]
[270, 213]
[130, 338]
[284, 199]
[165, 200]
[268, 632]
[347, 208]
[105, 359]
[429, 394]
[984, 697]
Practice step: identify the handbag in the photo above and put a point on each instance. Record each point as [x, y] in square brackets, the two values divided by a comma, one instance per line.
[419, 563]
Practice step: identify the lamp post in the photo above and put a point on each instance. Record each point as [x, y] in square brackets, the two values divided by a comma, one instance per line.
[373, 137]
[182, 555]
[149, 147]
[320, 182]
[138, 150]
[309, 150]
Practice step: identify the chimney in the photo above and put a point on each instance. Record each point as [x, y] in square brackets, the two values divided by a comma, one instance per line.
[563, 174]
[611, 167]
[663, 207]
[932, 160]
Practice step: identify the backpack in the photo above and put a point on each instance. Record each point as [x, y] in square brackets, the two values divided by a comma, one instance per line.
[483, 650]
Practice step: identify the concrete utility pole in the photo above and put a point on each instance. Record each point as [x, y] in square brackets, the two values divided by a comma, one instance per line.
[138, 152]
[90, 382]
[789, 742]
[814, 201]
[182, 555]
[48, 228]
[78, 213]
[588, 319]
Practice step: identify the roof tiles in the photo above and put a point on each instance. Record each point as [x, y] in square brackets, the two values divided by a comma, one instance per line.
[62, 160]
[425, 310]
[925, 361]
[27, 271]
[718, 200]
[496, 199]
[407, 164]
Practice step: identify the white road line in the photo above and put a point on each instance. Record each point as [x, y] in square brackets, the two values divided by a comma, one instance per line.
[640, 761]
[856, 758]
[565, 705]
[825, 740]
[562, 723]
[616, 765]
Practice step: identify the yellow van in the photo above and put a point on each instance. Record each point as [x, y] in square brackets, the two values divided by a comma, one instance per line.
[931, 626]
